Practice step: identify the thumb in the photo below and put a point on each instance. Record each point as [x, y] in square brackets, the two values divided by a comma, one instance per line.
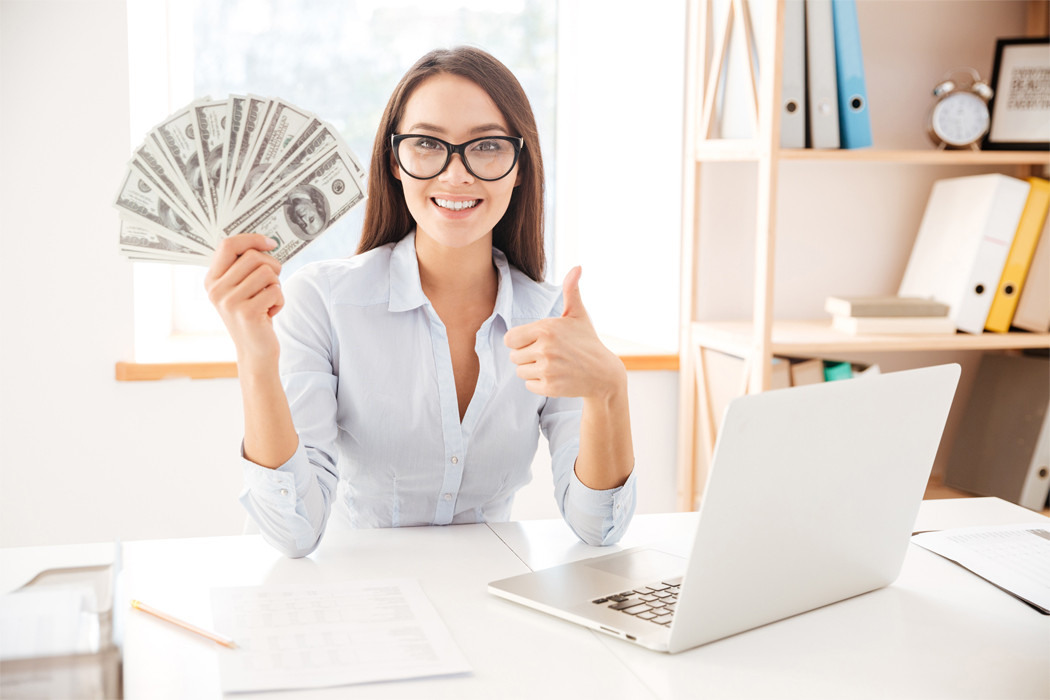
[571, 294]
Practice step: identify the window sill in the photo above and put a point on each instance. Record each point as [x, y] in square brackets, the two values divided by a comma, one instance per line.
[152, 371]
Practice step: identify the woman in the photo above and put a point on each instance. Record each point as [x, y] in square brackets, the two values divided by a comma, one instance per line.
[408, 384]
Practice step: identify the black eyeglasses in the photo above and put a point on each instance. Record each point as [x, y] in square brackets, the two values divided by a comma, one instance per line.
[487, 158]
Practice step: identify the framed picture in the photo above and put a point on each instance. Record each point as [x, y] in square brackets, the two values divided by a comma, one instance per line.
[1020, 104]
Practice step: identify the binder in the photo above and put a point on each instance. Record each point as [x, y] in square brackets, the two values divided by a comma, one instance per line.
[821, 81]
[854, 118]
[961, 247]
[1001, 447]
[793, 77]
[1019, 259]
[1033, 307]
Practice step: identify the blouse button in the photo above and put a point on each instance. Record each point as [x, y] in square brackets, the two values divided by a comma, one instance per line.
[455, 460]
[284, 492]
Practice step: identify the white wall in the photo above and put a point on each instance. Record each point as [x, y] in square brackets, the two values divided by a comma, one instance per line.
[83, 457]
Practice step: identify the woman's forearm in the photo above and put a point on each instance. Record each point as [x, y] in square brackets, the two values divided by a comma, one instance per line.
[606, 455]
[270, 438]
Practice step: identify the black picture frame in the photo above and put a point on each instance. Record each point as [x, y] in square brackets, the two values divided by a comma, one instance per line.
[1010, 130]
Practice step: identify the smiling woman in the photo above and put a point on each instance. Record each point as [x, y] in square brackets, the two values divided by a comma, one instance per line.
[441, 328]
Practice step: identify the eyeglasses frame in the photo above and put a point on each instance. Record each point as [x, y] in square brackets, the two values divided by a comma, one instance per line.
[452, 149]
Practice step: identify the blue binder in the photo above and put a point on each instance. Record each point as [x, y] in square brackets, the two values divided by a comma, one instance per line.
[854, 119]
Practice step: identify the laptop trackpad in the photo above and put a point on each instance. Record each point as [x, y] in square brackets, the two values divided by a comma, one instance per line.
[640, 564]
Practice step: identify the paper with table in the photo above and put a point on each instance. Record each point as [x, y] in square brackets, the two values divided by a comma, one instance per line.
[313, 636]
[1016, 558]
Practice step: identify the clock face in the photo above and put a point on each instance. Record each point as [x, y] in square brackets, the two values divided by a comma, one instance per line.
[960, 119]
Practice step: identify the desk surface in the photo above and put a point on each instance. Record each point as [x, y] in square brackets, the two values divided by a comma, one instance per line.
[938, 631]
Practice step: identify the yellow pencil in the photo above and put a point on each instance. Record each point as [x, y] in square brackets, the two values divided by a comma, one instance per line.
[225, 641]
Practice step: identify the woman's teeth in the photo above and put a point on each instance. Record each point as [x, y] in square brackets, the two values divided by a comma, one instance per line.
[456, 206]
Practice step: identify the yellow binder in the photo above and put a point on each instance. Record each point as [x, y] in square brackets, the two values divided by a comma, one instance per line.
[1004, 304]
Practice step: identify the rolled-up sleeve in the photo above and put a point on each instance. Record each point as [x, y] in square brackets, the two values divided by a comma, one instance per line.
[598, 517]
[290, 504]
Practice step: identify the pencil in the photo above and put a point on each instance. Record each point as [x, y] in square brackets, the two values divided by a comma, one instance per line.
[225, 641]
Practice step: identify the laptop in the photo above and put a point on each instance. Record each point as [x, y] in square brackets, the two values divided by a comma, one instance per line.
[811, 498]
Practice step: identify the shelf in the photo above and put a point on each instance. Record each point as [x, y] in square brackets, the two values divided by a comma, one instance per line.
[731, 150]
[816, 338]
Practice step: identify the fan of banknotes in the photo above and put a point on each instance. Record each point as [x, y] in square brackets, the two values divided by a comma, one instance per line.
[217, 168]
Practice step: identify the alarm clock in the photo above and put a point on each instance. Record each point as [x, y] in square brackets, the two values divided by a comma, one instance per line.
[960, 117]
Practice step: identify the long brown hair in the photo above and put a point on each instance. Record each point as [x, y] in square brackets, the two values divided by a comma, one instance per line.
[519, 234]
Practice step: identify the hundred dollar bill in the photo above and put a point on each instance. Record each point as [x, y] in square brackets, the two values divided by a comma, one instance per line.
[211, 136]
[177, 139]
[159, 172]
[315, 148]
[308, 155]
[307, 208]
[140, 200]
[255, 111]
[141, 242]
[283, 126]
[233, 130]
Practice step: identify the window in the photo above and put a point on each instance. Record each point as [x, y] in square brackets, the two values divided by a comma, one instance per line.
[339, 60]
[614, 73]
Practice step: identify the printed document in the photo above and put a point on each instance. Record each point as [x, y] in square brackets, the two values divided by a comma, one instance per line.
[1016, 558]
[312, 636]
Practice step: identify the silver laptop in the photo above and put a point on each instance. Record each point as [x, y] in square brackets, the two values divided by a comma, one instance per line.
[811, 498]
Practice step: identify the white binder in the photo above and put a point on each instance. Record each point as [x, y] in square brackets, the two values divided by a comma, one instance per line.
[962, 244]
[1002, 447]
[822, 81]
[793, 76]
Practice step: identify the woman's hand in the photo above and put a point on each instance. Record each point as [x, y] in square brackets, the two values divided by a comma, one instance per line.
[563, 356]
[244, 287]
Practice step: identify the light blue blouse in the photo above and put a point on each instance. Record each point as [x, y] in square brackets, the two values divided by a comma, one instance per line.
[365, 364]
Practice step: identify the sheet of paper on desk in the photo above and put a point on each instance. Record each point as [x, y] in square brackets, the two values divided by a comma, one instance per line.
[1015, 558]
[312, 636]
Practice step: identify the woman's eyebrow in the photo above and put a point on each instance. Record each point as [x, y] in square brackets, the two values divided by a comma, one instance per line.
[426, 126]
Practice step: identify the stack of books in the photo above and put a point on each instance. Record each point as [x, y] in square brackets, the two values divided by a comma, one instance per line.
[867, 315]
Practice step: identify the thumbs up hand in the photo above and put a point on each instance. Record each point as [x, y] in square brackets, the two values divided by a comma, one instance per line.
[563, 356]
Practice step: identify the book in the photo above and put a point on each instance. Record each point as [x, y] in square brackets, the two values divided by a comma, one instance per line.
[884, 306]
[1019, 259]
[1033, 306]
[961, 247]
[807, 372]
[892, 325]
[835, 371]
[854, 118]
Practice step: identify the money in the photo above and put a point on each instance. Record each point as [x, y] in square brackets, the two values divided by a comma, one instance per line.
[246, 164]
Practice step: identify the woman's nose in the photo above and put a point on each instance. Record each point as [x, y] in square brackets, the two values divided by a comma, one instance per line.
[456, 171]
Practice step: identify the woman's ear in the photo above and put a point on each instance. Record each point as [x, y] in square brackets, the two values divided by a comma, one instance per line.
[394, 169]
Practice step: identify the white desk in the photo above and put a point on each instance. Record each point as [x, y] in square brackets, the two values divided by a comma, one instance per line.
[939, 631]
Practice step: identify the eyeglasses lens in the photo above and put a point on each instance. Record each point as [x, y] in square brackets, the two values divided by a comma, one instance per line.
[489, 159]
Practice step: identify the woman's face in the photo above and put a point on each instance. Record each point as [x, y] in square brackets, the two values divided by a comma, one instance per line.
[454, 209]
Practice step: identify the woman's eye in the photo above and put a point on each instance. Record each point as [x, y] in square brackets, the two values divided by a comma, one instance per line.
[490, 146]
[429, 145]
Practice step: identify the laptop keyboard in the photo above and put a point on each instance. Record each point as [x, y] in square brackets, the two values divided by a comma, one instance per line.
[655, 602]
